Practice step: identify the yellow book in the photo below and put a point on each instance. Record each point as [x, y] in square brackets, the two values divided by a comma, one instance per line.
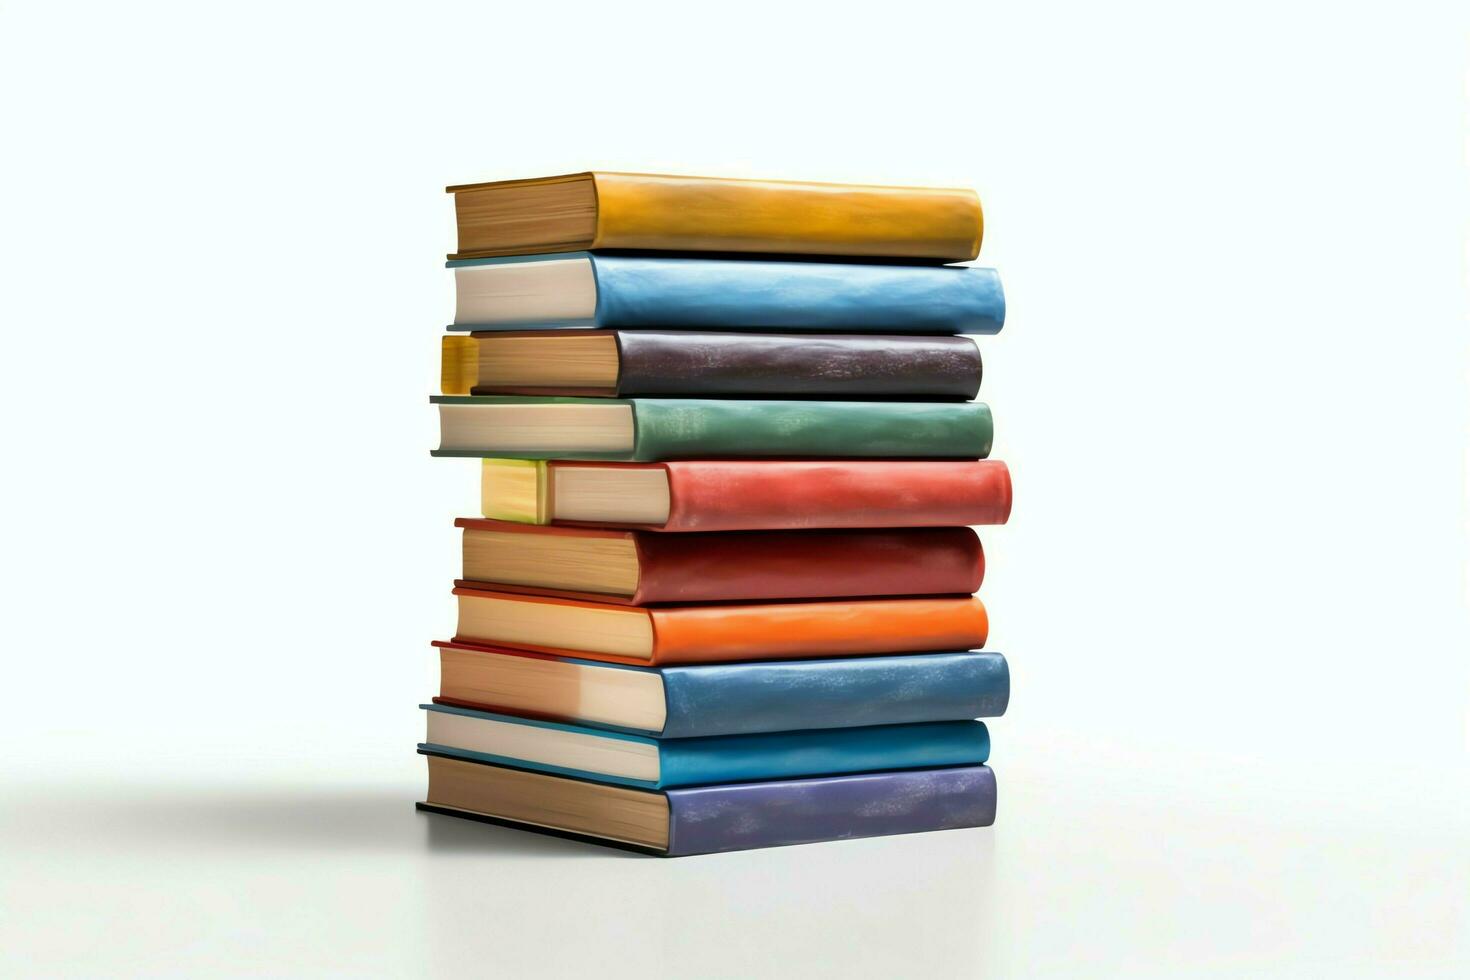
[459, 364]
[514, 490]
[713, 214]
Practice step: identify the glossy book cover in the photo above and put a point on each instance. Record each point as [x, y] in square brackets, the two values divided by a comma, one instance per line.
[733, 698]
[650, 762]
[776, 494]
[691, 293]
[683, 363]
[690, 428]
[724, 567]
[733, 816]
[667, 212]
[727, 632]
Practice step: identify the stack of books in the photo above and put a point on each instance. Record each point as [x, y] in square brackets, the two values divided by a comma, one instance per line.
[721, 592]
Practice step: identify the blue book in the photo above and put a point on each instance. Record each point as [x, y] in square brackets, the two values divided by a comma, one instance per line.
[580, 289]
[730, 698]
[709, 819]
[653, 763]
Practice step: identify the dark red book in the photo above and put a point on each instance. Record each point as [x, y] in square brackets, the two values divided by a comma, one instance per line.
[645, 568]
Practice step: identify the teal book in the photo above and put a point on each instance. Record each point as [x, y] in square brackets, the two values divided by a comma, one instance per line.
[656, 429]
[653, 763]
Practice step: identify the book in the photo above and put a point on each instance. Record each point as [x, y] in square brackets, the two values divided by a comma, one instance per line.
[744, 495]
[651, 429]
[614, 363]
[643, 568]
[601, 210]
[690, 293]
[658, 763]
[659, 635]
[710, 819]
[726, 699]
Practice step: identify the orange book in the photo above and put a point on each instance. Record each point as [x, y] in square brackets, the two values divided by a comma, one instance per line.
[604, 210]
[716, 633]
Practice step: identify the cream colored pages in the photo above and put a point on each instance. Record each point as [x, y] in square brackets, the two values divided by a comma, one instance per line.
[536, 428]
[556, 291]
[611, 495]
[560, 688]
[546, 746]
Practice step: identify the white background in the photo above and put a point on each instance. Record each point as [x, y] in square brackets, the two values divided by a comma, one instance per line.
[1232, 388]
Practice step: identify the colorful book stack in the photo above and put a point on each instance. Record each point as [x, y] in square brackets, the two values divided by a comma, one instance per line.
[721, 594]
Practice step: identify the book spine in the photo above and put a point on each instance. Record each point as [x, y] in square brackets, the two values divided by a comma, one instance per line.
[734, 495]
[763, 565]
[654, 362]
[703, 214]
[786, 755]
[731, 294]
[728, 699]
[710, 819]
[676, 428]
[788, 630]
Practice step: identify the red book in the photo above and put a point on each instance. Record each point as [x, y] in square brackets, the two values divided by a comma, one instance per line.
[642, 568]
[748, 495]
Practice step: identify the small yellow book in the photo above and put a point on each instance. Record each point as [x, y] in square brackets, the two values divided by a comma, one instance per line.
[599, 210]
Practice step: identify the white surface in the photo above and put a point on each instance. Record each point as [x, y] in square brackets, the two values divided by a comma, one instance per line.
[1232, 388]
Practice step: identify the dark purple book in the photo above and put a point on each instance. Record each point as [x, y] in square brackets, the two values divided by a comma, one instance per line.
[708, 819]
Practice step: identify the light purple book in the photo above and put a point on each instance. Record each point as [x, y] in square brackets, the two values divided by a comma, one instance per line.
[728, 817]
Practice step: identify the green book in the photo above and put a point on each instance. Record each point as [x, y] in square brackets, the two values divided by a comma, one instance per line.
[653, 429]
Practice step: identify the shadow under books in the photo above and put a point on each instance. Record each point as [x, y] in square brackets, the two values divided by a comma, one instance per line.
[325, 821]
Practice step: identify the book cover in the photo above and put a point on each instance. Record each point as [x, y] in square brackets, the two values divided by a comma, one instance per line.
[658, 212]
[739, 698]
[733, 817]
[691, 293]
[724, 567]
[496, 738]
[702, 364]
[739, 631]
[680, 428]
[745, 495]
